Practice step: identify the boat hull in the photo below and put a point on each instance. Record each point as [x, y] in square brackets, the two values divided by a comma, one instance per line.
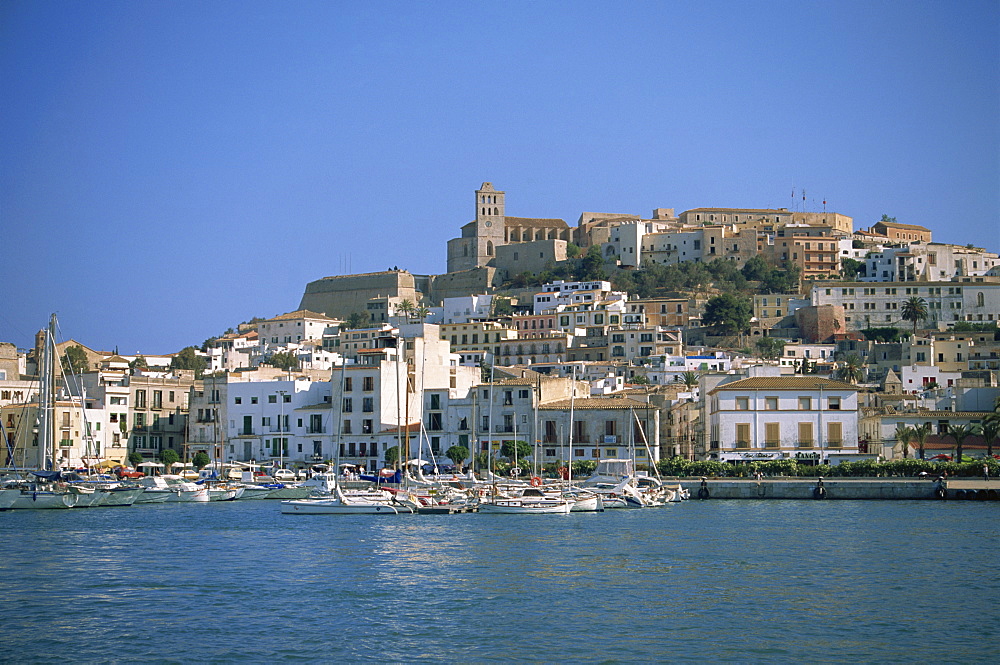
[40, 500]
[335, 507]
[515, 507]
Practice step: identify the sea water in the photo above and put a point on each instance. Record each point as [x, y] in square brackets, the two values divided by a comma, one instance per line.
[698, 581]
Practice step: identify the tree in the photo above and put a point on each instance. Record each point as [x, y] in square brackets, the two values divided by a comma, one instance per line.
[188, 358]
[572, 251]
[200, 460]
[689, 379]
[135, 458]
[849, 268]
[355, 321]
[915, 310]
[728, 314]
[512, 449]
[770, 348]
[887, 219]
[904, 435]
[406, 307]
[169, 457]
[920, 434]
[990, 429]
[960, 433]
[392, 456]
[756, 269]
[457, 455]
[285, 360]
[852, 370]
[139, 363]
[501, 306]
[592, 265]
[75, 360]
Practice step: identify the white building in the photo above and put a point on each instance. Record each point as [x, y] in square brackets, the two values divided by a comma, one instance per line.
[798, 417]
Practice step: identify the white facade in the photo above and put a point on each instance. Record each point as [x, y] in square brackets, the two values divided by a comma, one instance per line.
[783, 417]
[869, 305]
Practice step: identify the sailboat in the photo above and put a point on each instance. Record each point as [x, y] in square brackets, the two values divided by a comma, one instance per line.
[46, 489]
[336, 503]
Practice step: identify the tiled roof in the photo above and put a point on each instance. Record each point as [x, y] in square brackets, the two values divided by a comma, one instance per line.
[785, 383]
[911, 227]
[590, 403]
[301, 314]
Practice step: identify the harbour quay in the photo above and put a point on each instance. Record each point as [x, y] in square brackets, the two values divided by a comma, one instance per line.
[841, 488]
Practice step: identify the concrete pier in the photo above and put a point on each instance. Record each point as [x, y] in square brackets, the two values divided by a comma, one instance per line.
[841, 488]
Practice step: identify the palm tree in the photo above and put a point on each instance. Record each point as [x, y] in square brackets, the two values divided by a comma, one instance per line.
[852, 369]
[960, 433]
[903, 436]
[689, 379]
[406, 307]
[915, 310]
[920, 435]
[990, 430]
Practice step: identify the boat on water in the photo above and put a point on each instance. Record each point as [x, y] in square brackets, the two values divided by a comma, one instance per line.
[173, 489]
[8, 497]
[525, 505]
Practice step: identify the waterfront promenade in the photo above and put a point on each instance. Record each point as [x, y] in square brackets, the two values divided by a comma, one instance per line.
[841, 488]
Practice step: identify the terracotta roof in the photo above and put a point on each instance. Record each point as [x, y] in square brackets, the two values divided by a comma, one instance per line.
[590, 403]
[912, 227]
[533, 221]
[784, 383]
[301, 314]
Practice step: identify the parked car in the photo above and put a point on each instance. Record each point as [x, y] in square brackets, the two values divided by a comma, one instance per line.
[126, 472]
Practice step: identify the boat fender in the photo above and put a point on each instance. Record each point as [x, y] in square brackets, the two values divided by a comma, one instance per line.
[703, 493]
[819, 492]
[536, 481]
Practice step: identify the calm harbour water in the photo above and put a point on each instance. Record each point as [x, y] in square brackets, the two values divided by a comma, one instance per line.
[712, 580]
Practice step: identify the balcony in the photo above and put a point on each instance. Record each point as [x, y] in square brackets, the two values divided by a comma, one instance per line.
[805, 444]
[316, 430]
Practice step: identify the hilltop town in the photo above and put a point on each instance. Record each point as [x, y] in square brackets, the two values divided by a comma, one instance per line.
[723, 334]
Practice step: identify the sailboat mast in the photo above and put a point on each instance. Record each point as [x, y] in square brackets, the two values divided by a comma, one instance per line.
[572, 396]
[46, 406]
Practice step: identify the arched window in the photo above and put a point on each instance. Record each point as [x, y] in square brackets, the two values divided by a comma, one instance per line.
[980, 299]
[465, 250]
[496, 211]
[489, 248]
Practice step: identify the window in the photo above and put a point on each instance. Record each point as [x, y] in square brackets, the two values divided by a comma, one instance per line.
[238, 400]
[272, 399]
[833, 404]
[742, 403]
[772, 434]
[346, 428]
[742, 435]
[770, 403]
[834, 434]
[805, 435]
[435, 401]
[347, 383]
[348, 405]
[805, 403]
[368, 405]
[434, 422]
[368, 383]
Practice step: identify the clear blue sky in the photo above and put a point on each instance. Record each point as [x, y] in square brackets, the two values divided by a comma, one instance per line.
[169, 169]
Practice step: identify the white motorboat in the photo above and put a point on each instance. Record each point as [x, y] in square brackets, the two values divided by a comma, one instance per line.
[339, 504]
[526, 506]
[176, 489]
